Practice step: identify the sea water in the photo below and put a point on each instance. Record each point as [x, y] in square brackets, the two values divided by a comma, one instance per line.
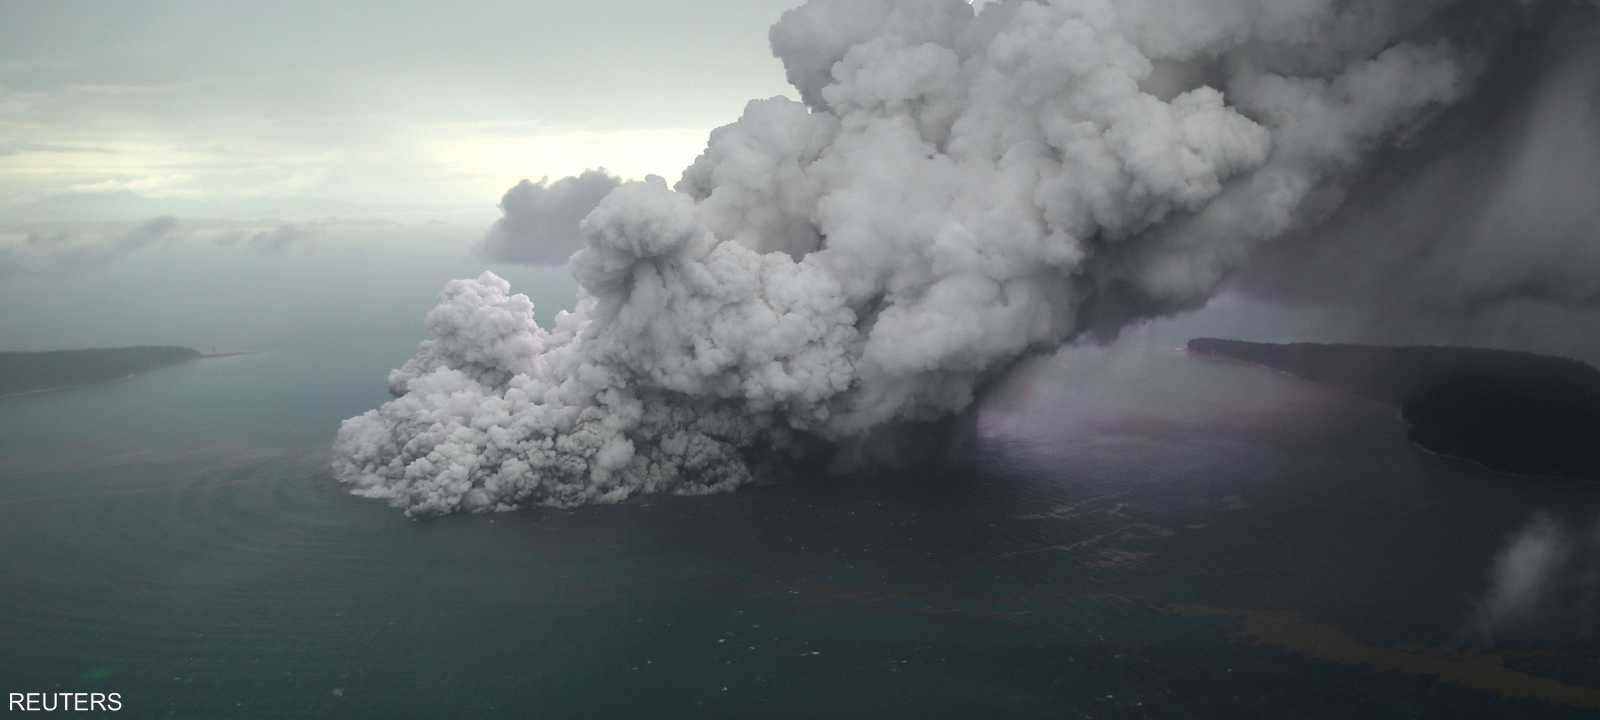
[1184, 540]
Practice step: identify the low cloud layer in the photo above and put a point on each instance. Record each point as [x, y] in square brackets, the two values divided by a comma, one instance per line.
[539, 223]
[272, 241]
[58, 251]
[956, 189]
[45, 251]
[18, 148]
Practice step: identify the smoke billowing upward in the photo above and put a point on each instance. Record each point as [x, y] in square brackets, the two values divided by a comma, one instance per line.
[1544, 580]
[955, 189]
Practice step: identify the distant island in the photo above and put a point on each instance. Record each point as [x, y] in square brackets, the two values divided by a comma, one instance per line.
[25, 372]
[1510, 411]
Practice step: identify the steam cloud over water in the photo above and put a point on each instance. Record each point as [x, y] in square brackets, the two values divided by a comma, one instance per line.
[955, 189]
[1545, 579]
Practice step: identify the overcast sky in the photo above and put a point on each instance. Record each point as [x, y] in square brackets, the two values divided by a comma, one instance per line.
[124, 111]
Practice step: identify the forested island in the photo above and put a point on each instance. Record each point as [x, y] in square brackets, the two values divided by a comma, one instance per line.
[22, 372]
[1511, 411]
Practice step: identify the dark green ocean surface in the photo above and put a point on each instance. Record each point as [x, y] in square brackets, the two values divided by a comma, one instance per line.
[176, 537]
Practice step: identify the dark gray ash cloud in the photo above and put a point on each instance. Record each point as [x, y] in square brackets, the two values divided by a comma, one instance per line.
[539, 223]
[1495, 209]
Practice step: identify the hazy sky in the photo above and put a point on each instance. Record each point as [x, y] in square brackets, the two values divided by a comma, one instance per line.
[124, 111]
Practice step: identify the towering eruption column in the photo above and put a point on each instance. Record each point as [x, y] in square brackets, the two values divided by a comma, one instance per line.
[954, 189]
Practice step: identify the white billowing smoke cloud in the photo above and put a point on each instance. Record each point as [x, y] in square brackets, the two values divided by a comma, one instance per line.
[539, 223]
[1524, 572]
[1545, 578]
[957, 188]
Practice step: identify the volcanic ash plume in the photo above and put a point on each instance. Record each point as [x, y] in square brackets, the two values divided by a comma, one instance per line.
[1496, 208]
[955, 189]
[540, 221]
